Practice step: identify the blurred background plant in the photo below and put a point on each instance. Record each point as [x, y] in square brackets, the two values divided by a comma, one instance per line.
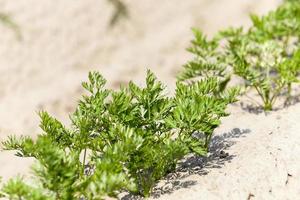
[120, 12]
[7, 21]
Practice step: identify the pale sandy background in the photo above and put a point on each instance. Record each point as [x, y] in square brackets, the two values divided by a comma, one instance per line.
[63, 40]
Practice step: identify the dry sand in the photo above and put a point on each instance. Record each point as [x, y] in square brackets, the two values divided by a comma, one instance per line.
[63, 40]
[262, 162]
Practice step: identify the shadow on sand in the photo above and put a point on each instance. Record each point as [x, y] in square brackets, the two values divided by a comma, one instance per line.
[197, 165]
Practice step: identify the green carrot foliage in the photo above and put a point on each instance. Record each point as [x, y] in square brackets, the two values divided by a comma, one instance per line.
[266, 55]
[118, 141]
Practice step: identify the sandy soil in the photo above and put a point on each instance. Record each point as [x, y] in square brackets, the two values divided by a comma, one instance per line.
[63, 40]
[252, 157]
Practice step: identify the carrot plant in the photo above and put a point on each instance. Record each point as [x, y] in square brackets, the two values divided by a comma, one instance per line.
[263, 66]
[266, 55]
[209, 60]
[122, 140]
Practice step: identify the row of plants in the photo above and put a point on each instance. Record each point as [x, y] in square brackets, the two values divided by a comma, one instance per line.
[127, 140]
[266, 56]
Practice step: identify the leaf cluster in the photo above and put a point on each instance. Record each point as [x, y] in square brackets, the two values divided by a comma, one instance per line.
[123, 140]
[266, 55]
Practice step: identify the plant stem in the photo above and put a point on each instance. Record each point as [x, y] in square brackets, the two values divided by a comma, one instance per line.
[289, 90]
[268, 106]
[207, 141]
[285, 45]
[84, 157]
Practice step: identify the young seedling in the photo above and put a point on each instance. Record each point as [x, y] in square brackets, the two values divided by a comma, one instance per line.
[266, 56]
[209, 60]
